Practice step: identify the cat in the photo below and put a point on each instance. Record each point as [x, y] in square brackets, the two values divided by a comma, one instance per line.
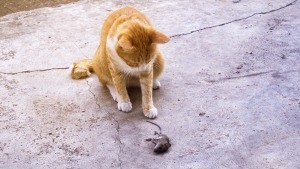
[127, 56]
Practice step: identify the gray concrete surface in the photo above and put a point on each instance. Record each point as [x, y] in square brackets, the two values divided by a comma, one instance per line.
[229, 96]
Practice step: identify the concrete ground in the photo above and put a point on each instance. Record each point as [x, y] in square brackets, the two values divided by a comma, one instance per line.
[230, 95]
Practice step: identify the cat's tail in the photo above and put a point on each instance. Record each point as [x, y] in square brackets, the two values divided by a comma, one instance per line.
[82, 69]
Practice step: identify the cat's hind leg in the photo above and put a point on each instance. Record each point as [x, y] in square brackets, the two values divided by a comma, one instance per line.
[81, 69]
[156, 84]
[158, 67]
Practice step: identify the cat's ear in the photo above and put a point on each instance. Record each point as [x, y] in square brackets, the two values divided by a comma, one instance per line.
[158, 37]
[125, 44]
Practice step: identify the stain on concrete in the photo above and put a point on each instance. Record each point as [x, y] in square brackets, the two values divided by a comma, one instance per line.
[13, 6]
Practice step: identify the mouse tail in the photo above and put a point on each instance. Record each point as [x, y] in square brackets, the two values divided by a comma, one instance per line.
[155, 124]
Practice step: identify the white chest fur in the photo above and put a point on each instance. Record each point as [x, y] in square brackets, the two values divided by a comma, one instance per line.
[122, 66]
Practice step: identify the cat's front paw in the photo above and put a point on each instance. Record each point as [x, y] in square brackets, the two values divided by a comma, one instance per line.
[152, 113]
[124, 106]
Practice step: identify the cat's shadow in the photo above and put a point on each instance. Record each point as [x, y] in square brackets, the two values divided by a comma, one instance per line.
[135, 95]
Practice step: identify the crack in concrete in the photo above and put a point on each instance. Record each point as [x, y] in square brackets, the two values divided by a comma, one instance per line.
[94, 95]
[31, 71]
[173, 36]
[276, 73]
[238, 77]
[235, 20]
[118, 138]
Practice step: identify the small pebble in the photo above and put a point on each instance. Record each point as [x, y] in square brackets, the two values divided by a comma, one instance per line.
[202, 114]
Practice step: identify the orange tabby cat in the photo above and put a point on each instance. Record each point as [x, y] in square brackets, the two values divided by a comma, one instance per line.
[127, 56]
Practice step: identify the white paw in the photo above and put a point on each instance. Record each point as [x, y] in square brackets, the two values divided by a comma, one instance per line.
[152, 113]
[124, 106]
[113, 92]
[156, 84]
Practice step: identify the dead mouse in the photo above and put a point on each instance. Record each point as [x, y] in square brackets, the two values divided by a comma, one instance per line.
[162, 142]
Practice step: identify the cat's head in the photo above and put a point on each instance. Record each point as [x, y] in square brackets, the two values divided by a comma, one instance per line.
[136, 43]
